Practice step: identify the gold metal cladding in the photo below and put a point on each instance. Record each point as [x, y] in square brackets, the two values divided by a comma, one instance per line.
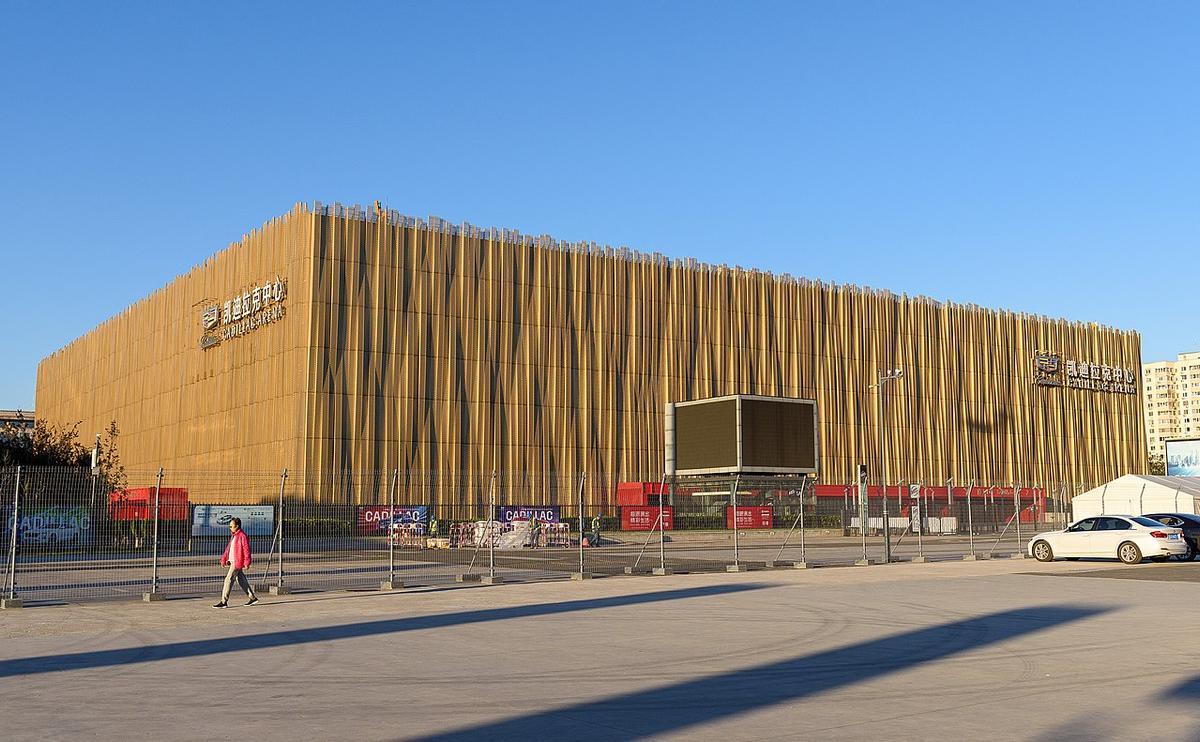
[429, 348]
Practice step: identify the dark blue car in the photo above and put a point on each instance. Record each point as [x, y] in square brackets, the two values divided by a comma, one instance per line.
[1191, 529]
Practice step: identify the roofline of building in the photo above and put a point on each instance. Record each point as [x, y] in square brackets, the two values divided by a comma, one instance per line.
[516, 237]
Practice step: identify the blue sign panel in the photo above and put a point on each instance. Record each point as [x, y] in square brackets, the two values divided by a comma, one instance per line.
[543, 513]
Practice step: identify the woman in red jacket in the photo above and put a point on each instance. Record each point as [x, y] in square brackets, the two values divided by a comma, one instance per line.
[237, 556]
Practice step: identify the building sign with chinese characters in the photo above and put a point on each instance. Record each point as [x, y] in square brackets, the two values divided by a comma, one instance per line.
[1049, 369]
[243, 313]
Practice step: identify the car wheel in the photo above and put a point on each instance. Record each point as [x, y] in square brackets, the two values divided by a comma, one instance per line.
[1042, 552]
[1190, 555]
[1129, 553]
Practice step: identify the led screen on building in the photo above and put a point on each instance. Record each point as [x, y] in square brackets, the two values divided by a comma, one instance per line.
[744, 433]
[706, 435]
[779, 434]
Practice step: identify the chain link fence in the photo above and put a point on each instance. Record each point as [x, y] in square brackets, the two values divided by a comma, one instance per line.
[71, 535]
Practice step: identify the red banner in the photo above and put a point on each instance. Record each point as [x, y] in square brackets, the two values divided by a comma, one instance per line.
[645, 518]
[753, 516]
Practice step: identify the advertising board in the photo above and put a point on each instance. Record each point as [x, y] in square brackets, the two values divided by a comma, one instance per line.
[750, 516]
[213, 520]
[375, 518]
[1183, 458]
[55, 524]
[645, 518]
[544, 513]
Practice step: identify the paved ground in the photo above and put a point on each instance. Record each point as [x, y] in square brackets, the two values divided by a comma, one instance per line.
[1165, 572]
[68, 577]
[984, 650]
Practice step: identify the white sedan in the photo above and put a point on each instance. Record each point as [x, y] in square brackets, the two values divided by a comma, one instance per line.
[1129, 538]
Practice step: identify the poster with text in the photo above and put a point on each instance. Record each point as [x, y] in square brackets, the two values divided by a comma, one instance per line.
[645, 518]
[375, 518]
[52, 525]
[544, 513]
[750, 516]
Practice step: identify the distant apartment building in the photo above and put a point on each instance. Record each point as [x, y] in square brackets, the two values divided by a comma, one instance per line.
[1172, 400]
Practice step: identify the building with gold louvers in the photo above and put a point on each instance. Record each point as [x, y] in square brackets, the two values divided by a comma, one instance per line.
[334, 339]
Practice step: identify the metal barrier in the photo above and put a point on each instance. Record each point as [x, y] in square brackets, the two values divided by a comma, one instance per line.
[73, 536]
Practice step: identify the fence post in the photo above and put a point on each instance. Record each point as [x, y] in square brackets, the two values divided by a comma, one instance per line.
[582, 574]
[154, 595]
[864, 512]
[278, 588]
[390, 583]
[1020, 552]
[970, 522]
[492, 579]
[799, 520]
[921, 507]
[10, 574]
[662, 531]
[737, 564]
[803, 544]
[887, 526]
[949, 508]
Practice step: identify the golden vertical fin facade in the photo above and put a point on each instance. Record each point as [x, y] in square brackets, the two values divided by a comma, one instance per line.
[371, 341]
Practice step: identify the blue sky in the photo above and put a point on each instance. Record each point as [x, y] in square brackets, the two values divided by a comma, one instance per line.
[1036, 156]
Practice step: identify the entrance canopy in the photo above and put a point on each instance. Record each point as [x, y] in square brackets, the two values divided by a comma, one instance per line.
[1134, 494]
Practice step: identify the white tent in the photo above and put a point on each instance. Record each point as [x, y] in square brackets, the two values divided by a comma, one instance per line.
[1134, 494]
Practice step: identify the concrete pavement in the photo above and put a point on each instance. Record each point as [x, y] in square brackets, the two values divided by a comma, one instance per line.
[983, 650]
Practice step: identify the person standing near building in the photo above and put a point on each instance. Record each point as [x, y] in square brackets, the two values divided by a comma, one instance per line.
[594, 539]
[237, 556]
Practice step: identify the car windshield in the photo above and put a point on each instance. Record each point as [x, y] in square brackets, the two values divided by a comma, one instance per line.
[1146, 522]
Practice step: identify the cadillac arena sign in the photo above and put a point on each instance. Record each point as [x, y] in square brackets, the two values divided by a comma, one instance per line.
[1049, 369]
[245, 312]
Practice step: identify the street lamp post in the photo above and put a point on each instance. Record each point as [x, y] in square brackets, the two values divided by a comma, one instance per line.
[884, 377]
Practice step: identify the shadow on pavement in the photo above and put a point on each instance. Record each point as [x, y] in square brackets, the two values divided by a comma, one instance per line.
[201, 647]
[1188, 690]
[677, 707]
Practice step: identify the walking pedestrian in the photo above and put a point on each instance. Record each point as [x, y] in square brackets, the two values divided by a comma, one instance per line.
[237, 556]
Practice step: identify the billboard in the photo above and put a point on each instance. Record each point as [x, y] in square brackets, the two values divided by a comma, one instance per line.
[1183, 458]
[375, 519]
[213, 520]
[544, 513]
[645, 518]
[742, 433]
[53, 524]
[750, 516]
